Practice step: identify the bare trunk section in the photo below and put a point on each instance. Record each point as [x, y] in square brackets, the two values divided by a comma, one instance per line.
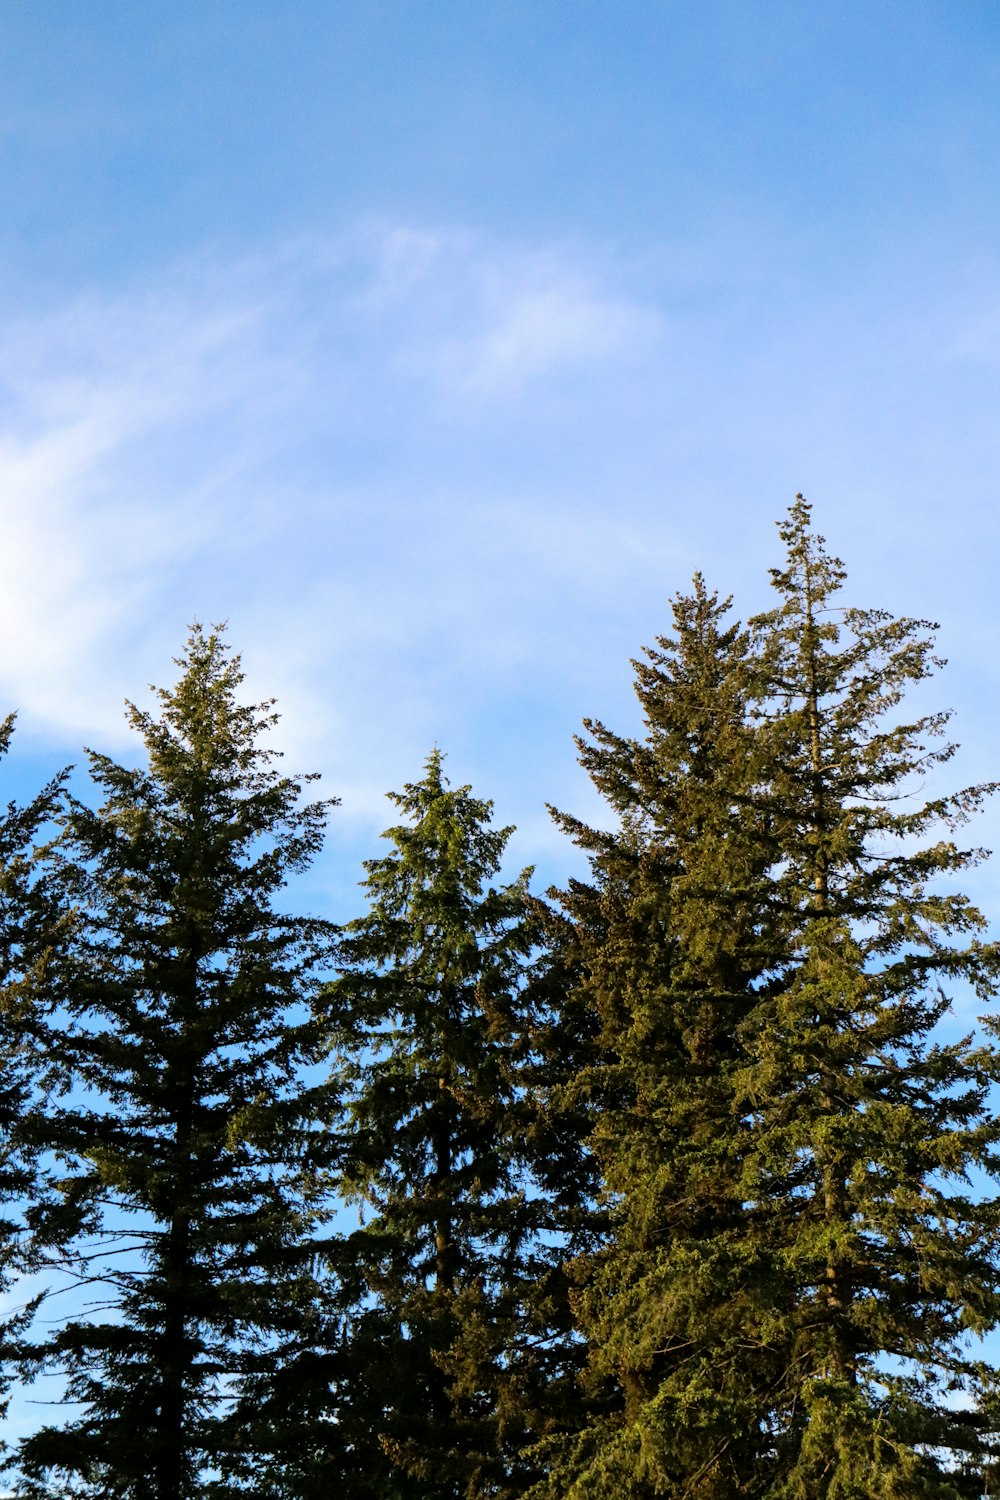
[172, 1465]
[171, 1455]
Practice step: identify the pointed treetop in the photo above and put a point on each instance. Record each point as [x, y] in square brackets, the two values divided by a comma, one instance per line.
[811, 576]
[201, 716]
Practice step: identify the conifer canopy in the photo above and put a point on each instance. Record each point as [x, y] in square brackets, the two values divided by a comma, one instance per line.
[186, 1045]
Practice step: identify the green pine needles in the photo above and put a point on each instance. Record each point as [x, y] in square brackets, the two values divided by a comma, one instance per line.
[798, 1254]
[677, 937]
[428, 1010]
[869, 1129]
[36, 931]
[680, 1182]
[184, 1043]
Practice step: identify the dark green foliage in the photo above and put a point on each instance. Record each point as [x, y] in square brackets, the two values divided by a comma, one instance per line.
[868, 1131]
[429, 1012]
[187, 1047]
[675, 943]
[35, 929]
[679, 1187]
[788, 1152]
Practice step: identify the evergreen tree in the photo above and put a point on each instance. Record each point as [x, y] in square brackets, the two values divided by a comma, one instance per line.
[798, 1253]
[35, 933]
[429, 1013]
[187, 1045]
[873, 1136]
[676, 941]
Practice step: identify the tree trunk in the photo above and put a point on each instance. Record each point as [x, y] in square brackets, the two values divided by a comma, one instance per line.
[171, 1457]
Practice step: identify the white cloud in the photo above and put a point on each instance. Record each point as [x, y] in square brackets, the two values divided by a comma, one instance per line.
[248, 440]
[441, 485]
[492, 327]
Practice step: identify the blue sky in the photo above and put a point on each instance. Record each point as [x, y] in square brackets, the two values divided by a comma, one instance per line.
[434, 345]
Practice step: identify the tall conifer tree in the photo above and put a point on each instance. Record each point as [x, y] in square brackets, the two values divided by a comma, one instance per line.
[188, 1048]
[676, 941]
[869, 1127]
[798, 1254]
[428, 1009]
[35, 935]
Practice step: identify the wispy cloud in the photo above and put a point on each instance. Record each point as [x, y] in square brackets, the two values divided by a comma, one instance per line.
[489, 326]
[441, 483]
[250, 440]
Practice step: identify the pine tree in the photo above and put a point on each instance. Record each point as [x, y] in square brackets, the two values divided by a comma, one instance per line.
[676, 942]
[428, 1013]
[35, 932]
[187, 1044]
[793, 1158]
[870, 1131]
